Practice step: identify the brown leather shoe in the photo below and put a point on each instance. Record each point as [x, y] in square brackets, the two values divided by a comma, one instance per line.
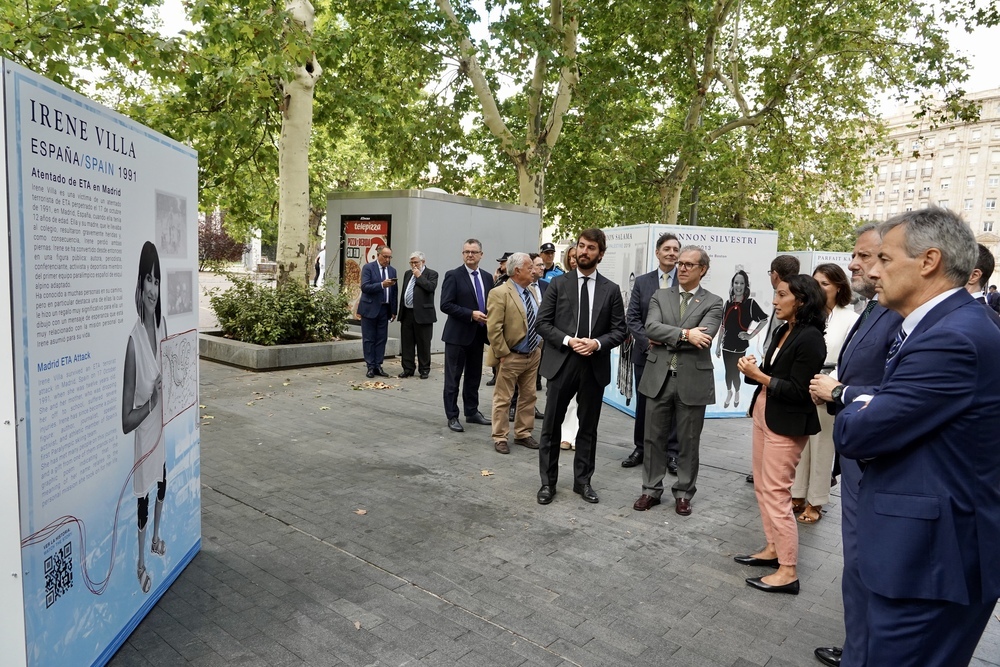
[645, 502]
[682, 506]
[501, 447]
[528, 442]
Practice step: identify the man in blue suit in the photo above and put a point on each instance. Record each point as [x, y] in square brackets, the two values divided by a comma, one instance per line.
[377, 307]
[928, 516]
[667, 250]
[463, 300]
[859, 371]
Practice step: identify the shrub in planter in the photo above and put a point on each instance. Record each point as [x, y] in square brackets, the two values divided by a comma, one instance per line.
[279, 314]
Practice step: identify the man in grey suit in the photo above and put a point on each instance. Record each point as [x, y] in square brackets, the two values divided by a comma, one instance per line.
[678, 380]
[667, 249]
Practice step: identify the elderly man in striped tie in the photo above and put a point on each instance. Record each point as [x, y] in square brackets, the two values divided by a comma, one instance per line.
[515, 350]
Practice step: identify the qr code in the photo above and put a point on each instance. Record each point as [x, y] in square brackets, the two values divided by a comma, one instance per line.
[58, 574]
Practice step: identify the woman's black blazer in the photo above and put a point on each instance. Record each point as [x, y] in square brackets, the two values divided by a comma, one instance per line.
[789, 410]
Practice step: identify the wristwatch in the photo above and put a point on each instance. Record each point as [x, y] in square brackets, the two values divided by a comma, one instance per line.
[836, 393]
[684, 335]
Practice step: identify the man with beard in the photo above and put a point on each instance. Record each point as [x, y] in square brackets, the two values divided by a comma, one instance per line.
[582, 318]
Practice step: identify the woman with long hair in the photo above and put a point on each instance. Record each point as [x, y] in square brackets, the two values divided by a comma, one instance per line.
[739, 313]
[571, 423]
[784, 417]
[142, 404]
[811, 489]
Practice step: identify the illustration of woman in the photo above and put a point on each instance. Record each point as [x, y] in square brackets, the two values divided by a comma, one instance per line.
[734, 336]
[142, 404]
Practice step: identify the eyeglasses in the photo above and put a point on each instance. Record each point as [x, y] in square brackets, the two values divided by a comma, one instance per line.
[472, 252]
[687, 266]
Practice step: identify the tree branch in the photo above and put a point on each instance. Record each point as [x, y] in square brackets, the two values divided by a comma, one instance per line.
[467, 56]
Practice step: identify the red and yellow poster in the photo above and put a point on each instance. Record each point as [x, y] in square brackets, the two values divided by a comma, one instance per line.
[360, 235]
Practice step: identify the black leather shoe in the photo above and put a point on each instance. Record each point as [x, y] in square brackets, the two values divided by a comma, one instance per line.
[829, 656]
[587, 492]
[634, 459]
[538, 414]
[370, 373]
[672, 465]
[477, 418]
[381, 372]
[750, 478]
[455, 425]
[761, 562]
[546, 494]
[790, 588]
[405, 374]
[492, 382]
[424, 376]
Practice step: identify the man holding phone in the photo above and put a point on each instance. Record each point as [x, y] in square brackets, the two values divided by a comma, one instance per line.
[377, 307]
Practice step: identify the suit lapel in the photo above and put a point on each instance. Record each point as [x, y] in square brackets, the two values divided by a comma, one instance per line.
[859, 331]
[512, 290]
[694, 305]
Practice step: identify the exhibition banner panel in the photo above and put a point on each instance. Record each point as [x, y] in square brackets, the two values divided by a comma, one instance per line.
[810, 259]
[739, 261]
[104, 261]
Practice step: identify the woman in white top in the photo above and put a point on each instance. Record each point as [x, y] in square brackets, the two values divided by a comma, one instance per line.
[142, 405]
[811, 489]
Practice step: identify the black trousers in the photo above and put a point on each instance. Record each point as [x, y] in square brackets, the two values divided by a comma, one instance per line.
[462, 360]
[575, 378]
[413, 335]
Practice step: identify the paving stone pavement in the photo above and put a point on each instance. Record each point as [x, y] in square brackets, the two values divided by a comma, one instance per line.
[346, 525]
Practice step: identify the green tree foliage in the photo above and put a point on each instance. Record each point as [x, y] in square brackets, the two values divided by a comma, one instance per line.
[762, 103]
[64, 39]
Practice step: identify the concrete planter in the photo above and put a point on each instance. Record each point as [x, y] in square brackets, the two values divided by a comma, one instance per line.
[212, 346]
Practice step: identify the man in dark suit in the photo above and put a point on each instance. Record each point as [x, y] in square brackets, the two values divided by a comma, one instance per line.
[928, 516]
[993, 298]
[978, 279]
[582, 319]
[678, 380]
[377, 307]
[417, 316]
[859, 371]
[463, 300]
[667, 249]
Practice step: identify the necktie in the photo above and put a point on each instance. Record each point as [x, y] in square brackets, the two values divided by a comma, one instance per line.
[868, 310]
[664, 281]
[685, 298]
[529, 310]
[479, 291]
[896, 344]
[583, 328]
[408, 297]
[385, 290]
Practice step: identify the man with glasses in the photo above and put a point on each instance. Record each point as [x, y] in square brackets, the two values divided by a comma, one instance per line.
[463, 300]
[417, 316]
[678, 381]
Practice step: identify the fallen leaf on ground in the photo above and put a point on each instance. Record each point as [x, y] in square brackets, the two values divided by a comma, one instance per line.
[207, 417]
[285, 384]
[486, 473]
[202, 406]
[324, 407]
[361, 512]
[357, 625]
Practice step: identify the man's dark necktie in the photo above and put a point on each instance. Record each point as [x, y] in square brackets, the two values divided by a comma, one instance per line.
[896, 344]
[479, 292]
[529, 309]
[868, 310]
[583, 329]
